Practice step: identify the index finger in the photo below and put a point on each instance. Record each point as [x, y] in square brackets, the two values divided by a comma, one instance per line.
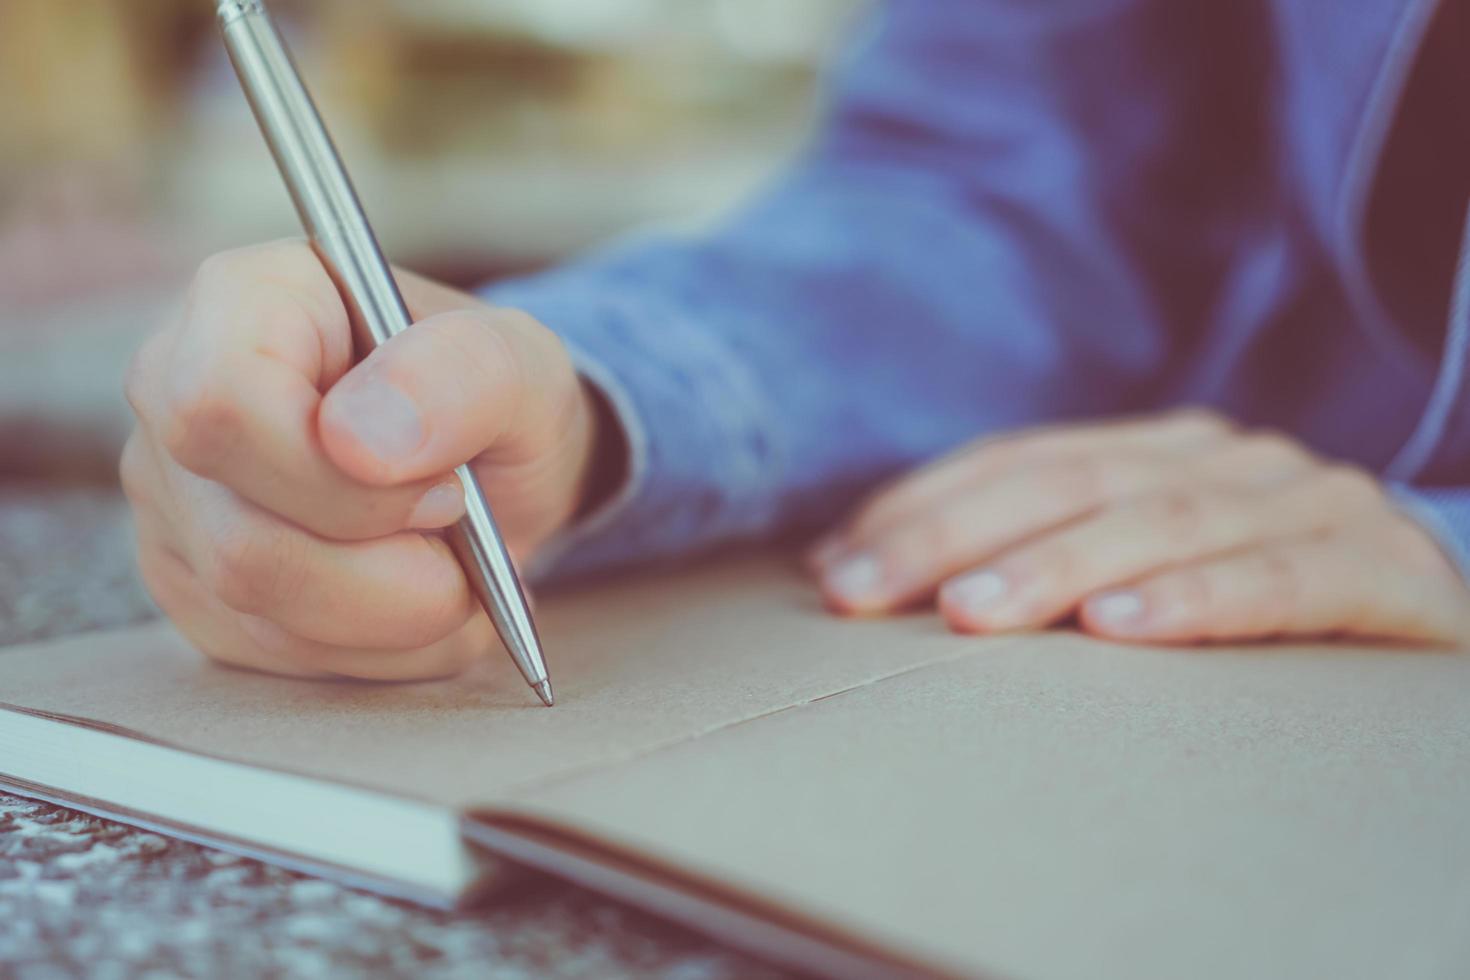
[233, 391]
[273, 300]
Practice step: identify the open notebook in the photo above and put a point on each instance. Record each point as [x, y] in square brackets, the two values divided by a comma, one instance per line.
[850, 797]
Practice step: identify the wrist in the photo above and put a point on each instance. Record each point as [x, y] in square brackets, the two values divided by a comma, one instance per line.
[605, 456]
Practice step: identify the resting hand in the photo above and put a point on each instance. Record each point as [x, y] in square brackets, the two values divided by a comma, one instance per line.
[281, 494]
[1173, 529]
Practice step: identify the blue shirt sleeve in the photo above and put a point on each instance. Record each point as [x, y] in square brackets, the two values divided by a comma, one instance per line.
[1014, 213]
[941, 264]
[1445, 513]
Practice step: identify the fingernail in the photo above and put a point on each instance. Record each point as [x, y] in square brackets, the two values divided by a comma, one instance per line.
[440, 506]
[1116, 608]
[382, 418]
[856, 580]
[976, 591]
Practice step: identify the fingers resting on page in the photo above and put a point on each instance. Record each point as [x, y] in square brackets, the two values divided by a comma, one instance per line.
[285, 497]
[1178, 528]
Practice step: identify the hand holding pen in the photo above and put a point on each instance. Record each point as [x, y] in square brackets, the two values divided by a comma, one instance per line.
[283, 491]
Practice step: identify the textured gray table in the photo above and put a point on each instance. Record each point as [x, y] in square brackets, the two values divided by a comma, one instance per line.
[81, 896]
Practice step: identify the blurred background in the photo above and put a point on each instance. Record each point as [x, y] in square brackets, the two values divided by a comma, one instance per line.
[487, 137]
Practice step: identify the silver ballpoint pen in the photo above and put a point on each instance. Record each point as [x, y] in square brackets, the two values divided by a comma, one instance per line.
[344, 241]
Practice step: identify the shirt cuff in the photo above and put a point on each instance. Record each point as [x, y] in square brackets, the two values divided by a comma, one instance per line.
[702, 458]
[1445, 513]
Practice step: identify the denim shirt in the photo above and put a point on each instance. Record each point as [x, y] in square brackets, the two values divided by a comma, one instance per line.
[1019, 212]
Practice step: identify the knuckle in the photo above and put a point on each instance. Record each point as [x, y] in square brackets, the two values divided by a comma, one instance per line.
[223, 271]
[1000, 452]
[1079, 480]
[231, 570]
[140, 378]
[1406, 541]
[132, 469]
[289, 252]
[1180, 510]
[933, 536]
[284, 271]
[218, 273]
[249, 568]
[1350, 487]
[215, 265]
[554, 357]
[135, 384]
[498, 355]
[517, 321]
[533, 339]
[204, 421]
[480, 347]
[1202, 420]
[1084, 482]
[1272, 448]
[1058, 565]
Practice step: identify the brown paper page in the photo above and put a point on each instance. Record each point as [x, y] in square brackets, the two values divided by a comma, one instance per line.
[1042, 807]
[1061, 808]
[640, 664]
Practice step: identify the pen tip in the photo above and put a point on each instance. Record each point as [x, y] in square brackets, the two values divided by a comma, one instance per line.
[543, 691]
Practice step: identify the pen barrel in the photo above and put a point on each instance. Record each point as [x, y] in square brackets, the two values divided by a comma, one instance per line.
[478, 545]
[339, 231]
[318, 183]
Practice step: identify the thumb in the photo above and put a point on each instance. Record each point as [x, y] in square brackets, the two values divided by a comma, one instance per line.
[452, 387]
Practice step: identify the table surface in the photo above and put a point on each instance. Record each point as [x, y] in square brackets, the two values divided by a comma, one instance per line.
[80, 895]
